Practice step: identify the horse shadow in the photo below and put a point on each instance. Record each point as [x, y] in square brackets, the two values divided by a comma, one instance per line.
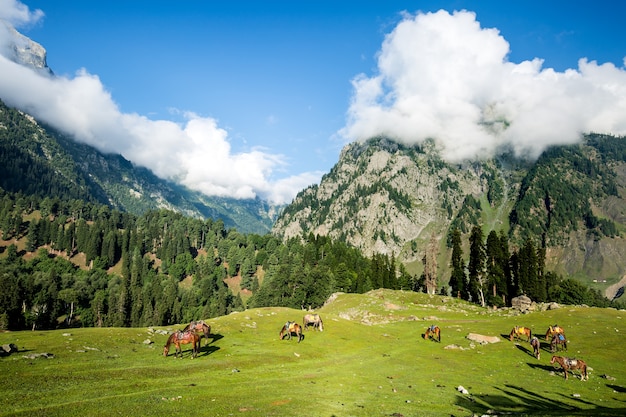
[215, 337]
[293, 335]
[525, 350]
[542, 367]
[616, 388]
[432, 338]
[208, 350]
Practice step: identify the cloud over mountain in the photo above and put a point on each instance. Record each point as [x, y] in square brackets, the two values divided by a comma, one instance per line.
[441, 75]
[196, 153]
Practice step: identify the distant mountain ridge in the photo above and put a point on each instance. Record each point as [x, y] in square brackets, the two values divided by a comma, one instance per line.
[383, 197]
[36, 159]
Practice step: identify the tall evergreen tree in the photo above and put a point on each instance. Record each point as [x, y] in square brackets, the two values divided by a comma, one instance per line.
[457, 278]
[496, 265]
[476, 266]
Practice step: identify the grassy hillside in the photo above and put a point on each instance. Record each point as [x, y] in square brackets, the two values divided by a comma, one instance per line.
[369, 361]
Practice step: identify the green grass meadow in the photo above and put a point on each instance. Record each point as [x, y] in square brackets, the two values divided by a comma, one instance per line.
[370, 361]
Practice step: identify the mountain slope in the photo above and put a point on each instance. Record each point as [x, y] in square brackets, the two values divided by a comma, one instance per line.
[386, 198]
[36, 159]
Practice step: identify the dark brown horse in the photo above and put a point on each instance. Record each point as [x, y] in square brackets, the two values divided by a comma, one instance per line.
[200, 327]
[536, 345]
[313, 320]
[180, 337]
[290, 328]
[519, 332]
[433, 332]
[569, 364]
[552, 330]
[558, 342]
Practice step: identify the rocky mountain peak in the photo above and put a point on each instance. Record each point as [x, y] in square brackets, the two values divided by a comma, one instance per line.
[23, 50]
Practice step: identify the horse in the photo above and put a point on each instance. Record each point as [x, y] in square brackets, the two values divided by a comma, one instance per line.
[558, 340]
[181, 337]
[313, 320]
[571, 365]
[519, 331]
[199, 326]
[536, 345]
[552, 330]
[289, 328]
[433, 332]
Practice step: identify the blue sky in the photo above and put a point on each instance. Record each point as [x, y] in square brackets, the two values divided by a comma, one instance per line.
[257, 98]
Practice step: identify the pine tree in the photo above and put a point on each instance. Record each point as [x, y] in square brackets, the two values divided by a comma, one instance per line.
[476, 266]
[496, 267]
[457, 279]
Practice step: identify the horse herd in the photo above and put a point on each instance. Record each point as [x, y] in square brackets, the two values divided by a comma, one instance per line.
[555, 335]
[192, 332]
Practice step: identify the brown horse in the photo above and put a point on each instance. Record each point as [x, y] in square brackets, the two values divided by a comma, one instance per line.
[558, 340]
[313, 320]
[433, 332]
[181, 337]
[519, 331]
[536, 345]
[571, 365]
[200, 327]
[552, 330]
[290, 328]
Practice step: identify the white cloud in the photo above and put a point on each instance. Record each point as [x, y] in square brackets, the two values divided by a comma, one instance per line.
[18, 14]
[442, 76]
[196, 153]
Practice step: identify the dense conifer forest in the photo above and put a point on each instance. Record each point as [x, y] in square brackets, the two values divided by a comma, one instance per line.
[163, 268]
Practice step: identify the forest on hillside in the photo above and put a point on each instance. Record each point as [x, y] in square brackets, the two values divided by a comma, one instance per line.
[164, 268]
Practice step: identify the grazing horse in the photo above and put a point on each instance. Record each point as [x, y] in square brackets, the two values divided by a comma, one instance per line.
[181, 337]
[552, 330]
[558, 340]
[433, 332]
[571, 365]
[519, 331]
[289, 328]
[536, 344]
[200, 326]
[313, 320]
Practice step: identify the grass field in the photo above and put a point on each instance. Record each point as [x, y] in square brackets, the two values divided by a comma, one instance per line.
[370, 361]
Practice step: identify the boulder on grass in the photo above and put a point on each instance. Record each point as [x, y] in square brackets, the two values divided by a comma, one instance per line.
[522, 303]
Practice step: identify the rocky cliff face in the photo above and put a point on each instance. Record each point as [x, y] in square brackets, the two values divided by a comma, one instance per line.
[384, 198]
[24, 51]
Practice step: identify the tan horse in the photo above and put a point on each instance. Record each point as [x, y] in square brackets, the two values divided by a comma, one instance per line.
[290, 328]
[552, 330]
[313, 320]
[519, 331]
[180, 337]
[571, 365]
[200, 327]
[433, 332]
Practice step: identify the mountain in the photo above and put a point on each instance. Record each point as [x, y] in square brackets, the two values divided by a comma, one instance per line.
[36, 159]
[24, 51]
[383, 197]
